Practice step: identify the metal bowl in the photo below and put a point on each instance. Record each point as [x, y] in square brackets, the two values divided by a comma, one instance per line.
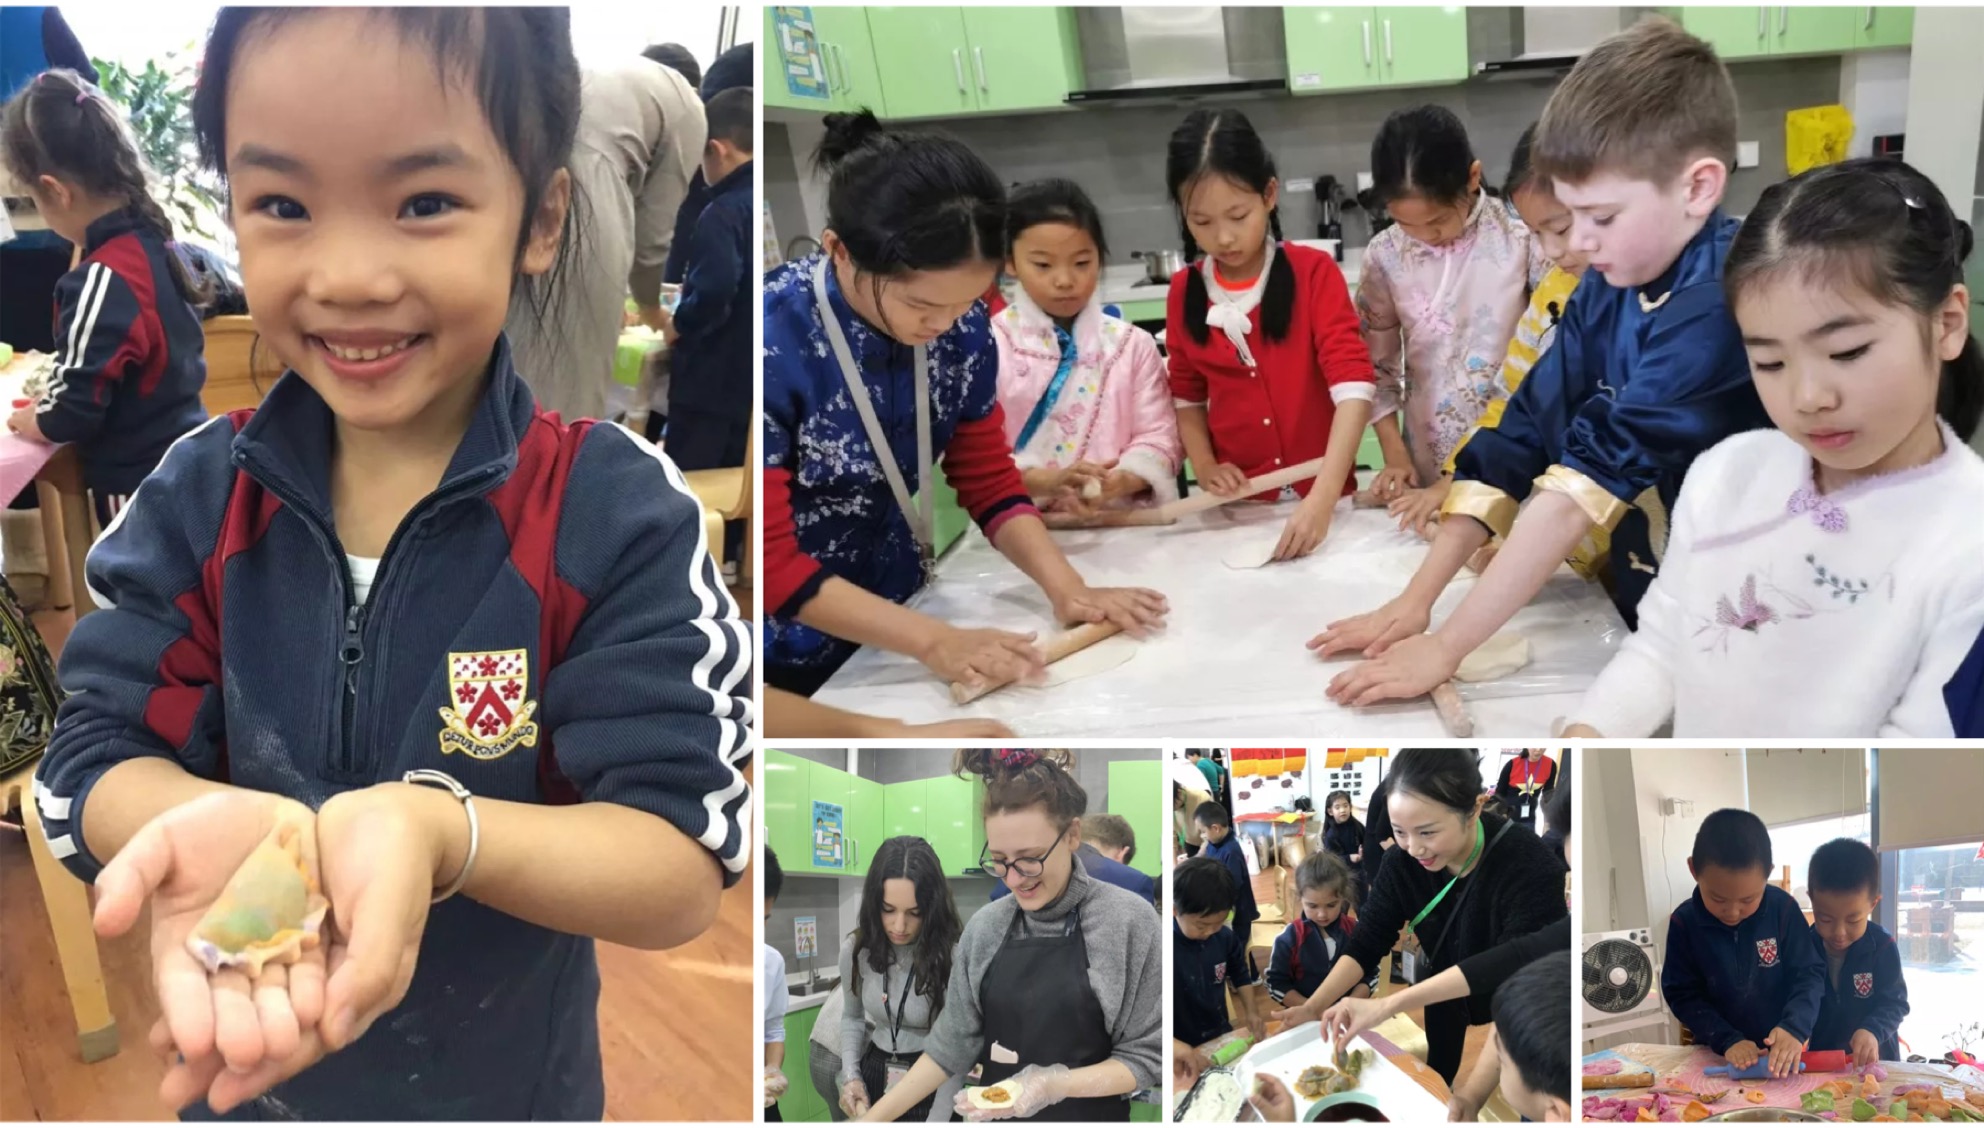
[1754, 1115]
[1345, 1106]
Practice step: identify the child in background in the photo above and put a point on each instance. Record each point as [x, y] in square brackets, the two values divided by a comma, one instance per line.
[1208, 959]
[1865, 995]
[1286, 378]
[709, 389]
[1647, 371]
[1533, 1039]
[399, 556]
[1742, 972]
[1344, 835]
[1307, 949]
[775, 997]
[1216, 828]
[1088, 409]
[130, 354]
[1811, 583]
[1439, 295]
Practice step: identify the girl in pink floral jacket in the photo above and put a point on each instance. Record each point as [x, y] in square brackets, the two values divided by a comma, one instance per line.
[1087, 403]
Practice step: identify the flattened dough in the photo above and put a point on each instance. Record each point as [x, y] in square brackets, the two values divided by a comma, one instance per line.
[1499, 657]
[1104, 656]
[1251, 551]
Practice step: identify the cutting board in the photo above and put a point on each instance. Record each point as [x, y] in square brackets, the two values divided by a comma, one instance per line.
[1397, 1093]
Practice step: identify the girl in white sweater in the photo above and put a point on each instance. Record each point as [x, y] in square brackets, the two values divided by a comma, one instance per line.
[1826, 578]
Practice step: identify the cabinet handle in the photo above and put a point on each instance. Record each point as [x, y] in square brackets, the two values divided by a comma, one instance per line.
[957, 66]
[1763, 25]
[840, 62]
[827, 62]
[1367, 43]
[978, 60]
[1869, 25]
[1388, 43]
[1783, 19]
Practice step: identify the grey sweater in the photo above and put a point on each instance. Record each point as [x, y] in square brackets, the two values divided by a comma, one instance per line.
[1125, 968]
[871, 1021]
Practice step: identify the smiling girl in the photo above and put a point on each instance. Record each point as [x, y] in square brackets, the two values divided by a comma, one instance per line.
[480, 659]
[1058, 990]
[1814, 582]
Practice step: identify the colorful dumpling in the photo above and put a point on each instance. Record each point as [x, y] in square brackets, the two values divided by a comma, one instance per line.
[269, 912]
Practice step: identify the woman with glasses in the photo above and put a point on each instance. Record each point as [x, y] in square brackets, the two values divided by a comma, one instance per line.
[1056, 993]
[895, 969]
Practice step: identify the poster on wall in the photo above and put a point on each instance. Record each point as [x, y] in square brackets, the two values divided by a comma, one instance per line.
[828, 839]
[1268, 781]
[1355, 770]
[805, 937]
[800, 57]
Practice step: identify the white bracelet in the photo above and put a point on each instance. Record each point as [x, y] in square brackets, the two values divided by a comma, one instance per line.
[454, 787]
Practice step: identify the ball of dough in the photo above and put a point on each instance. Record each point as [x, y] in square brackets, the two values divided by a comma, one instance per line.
[1091, 490]
[1499, 657]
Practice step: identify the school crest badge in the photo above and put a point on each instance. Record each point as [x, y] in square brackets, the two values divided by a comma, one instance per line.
[1863, 983]
[489, 707]
[1219, 973]
[1766, 953]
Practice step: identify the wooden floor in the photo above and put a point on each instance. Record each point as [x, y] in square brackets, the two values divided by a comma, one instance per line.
[677, 1028]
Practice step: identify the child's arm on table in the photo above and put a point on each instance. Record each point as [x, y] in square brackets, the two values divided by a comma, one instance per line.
[1808, 988]
[1384, 336]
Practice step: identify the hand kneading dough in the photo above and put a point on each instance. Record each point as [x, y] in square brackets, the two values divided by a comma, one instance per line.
[1499, 657]
[1104, 656]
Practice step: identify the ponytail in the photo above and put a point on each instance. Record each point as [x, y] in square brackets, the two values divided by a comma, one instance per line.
[1960, 398]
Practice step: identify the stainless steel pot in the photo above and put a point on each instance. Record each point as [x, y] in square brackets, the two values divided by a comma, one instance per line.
[1159, 266]
[1761, 1115]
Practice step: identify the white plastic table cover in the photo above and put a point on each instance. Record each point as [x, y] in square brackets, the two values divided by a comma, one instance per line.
[1231, 661]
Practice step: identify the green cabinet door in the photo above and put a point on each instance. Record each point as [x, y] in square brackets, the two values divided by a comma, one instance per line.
[920, 55]
[1735, 33]
[786, 781]
[797, 72]
[951, 519]
[1422, 46]
[1885, 26]
[905, 806]
[953, 822]
[1814, 31]
[850, 57]
[1330, 49]
[1021, 58]
[837, 789]
[801, 1101]
[868, 822]
[1136, 792]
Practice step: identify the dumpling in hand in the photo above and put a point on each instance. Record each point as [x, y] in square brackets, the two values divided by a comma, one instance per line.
[269, 912]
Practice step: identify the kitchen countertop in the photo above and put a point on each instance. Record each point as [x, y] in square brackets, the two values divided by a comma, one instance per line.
[807, 1001]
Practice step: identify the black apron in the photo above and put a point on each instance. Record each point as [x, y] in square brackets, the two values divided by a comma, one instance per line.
[1037, 1002]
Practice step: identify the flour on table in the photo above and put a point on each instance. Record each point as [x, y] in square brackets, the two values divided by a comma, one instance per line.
[1499, 657]
[1218, 1100]
[1253, 550]
[1104, 656]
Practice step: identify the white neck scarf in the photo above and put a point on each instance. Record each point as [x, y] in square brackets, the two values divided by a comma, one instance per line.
[1232, 313]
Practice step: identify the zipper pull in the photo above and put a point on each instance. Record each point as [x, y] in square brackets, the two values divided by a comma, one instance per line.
[354, 650]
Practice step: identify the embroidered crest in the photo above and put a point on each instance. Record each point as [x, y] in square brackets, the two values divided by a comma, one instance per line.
[1219, 973]
[1766, 953]
[1863, 983]
[489, 707]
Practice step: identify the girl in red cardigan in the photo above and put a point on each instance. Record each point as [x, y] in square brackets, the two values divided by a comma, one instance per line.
[1268, 368]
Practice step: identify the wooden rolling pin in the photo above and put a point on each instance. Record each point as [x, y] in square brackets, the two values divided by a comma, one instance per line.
[1055, 648]
[1620, 1081]
[1169, 513]
[1452, 710]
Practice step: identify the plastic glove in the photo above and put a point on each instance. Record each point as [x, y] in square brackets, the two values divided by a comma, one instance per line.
[775, 1085]
[1041, 1087]
[854, 1098]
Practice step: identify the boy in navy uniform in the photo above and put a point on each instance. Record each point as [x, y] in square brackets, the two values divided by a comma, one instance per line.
[1209, 960]
[1216, 827]
[1742, 971]
[1865, 998]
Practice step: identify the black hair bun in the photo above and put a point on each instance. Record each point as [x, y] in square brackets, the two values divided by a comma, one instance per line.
[846, 135]
[1966, 241]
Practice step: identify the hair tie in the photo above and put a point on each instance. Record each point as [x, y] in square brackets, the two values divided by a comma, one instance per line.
[82, 96]
[1017, 758]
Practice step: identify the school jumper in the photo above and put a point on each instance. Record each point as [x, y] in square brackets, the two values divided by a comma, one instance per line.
[546, 627]
[1104, 869]
[1227, 853]
[1098, 389]
[1639, 383]
[130, 359]
[828, 508]
[710, 373]
[1344, 839]
[1733, 984]
[1276, 412]
[1780, 609]
[1303, 955]
[1202, 972]
[1865, 992]
[1438, 322]
[1964, 695]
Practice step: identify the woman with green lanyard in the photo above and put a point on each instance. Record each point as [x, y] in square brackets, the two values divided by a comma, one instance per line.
[878, 361]
[895, 968]
[1057, 992]
[1463, 881]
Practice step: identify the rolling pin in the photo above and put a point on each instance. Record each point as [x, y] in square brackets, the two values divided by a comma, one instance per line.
[1452, 710]
[1169, 513]
[1055, 648]
[1620, 1081]
[1814, 1061]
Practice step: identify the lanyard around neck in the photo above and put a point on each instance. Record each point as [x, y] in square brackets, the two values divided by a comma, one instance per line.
[921, 513]
[1479, 838]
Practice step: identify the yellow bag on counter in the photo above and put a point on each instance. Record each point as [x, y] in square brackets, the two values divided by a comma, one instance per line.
[1816, 135]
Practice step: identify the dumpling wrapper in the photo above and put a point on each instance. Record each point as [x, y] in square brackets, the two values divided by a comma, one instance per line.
[988, 1096]
[269, 912]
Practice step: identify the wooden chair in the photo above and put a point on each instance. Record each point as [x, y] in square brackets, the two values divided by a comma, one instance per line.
[68, 526]
[239, 374]
[68, 903]
[726, 496]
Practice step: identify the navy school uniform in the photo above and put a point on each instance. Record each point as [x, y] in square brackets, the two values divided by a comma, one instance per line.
[1870, 995]
[1245, 911]
[1734, 984]
[546, 627]
[1304, 953]
[1964, 695]
[1201, 973]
